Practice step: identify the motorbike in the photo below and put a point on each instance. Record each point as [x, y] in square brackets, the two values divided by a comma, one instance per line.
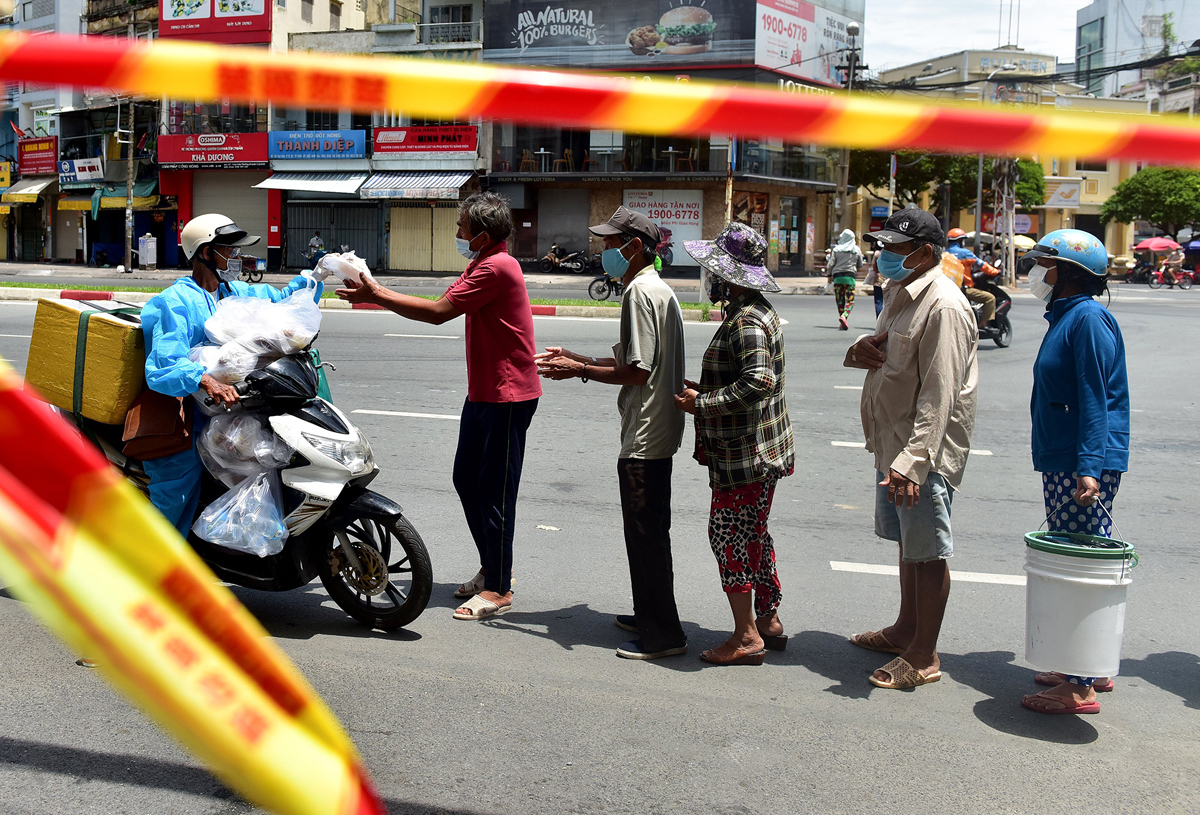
[1184, 278]
[999, 329]
[369, 557]
[1138, 272]
[252, 269]
[559, 258]
[604, 286]
[664, 247]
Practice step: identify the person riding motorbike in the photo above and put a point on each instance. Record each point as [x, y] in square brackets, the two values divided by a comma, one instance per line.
[173, 322]
[1172, 266]
[955, 240]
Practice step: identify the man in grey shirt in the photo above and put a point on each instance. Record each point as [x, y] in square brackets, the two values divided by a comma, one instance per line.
[648, 365]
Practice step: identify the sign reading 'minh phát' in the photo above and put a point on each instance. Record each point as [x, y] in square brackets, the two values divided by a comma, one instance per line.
[440, 139]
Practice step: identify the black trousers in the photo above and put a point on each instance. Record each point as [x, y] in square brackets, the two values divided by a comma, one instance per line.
[646, 508]
[487, 473]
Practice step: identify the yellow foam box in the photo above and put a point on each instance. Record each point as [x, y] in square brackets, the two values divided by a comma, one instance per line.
[114, 366]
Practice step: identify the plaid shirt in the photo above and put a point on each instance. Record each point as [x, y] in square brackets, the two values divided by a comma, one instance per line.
[742, 429]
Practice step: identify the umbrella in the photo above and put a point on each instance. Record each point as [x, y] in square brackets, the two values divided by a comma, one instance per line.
[1192, 246]
[1024, 242]
[1156, 245]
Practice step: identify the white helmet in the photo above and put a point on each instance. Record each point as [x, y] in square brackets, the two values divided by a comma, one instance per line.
[215, 229]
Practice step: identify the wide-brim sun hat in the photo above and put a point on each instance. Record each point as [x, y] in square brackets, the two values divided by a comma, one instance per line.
[738, 256]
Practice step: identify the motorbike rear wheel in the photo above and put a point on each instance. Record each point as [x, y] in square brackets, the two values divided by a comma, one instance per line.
[385, 579]
[1185, 282]
[599, 289]
[1004, 338]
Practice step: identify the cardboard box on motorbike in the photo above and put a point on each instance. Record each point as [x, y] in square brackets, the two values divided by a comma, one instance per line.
[109, 368]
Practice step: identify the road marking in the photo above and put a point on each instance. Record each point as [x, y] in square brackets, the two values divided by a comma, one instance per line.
[424, 336]
[844, 506]
[18, 336]
[407, 415]
[964, 577]
[847, 387]
[858, 444]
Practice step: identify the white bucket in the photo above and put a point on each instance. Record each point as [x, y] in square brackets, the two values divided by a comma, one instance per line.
[1075, 604]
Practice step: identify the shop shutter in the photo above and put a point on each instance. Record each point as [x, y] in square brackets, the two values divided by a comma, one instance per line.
[411, 238]
[341, 223]
[446, 257]
[232, 193]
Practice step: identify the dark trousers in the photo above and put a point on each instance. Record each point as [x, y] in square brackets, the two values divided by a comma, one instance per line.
[877, 291]
[646, 508]
[487, 473]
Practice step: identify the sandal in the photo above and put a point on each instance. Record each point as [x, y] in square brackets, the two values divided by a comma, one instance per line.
[903, 676]
[478, 608]
[1069, 705]
[1053, 679]
[875, 641]
[740, 656]
[471, 588]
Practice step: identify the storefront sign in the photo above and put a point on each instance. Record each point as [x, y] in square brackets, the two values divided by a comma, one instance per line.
[801, 39]
[1022, 225]
[38, 156]
[304, 144]
[681, 211]
[750, 208]
[229, 151]
[459, 138]
[1063, 193]
[80, 169]
[5, 175]
[879, 212]
[236, 21]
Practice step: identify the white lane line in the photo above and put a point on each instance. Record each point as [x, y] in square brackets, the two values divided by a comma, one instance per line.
[18, 336]
[858, 444]
[424, 336]
[407, 415]
[599, 319]
[847, 387]
[783, 321]
[965, 577]
[975, 452]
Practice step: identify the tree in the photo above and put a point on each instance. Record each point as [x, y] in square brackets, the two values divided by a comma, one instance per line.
[1166, 197]
[915, 172]
[961, 171]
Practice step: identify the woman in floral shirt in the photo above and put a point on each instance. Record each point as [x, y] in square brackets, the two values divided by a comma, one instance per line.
[744, 436]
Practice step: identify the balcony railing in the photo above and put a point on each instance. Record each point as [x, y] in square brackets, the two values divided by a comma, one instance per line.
[437, 33]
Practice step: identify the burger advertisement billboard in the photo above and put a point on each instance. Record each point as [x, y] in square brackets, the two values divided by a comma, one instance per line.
[792, 37]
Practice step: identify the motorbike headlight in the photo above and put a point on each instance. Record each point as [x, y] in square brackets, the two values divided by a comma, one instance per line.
[355, 456]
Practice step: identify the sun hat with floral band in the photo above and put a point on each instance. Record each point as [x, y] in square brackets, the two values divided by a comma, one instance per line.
[738, 256]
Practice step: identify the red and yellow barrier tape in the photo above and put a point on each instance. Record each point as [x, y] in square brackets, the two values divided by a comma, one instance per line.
[440, 89]
[107, 574]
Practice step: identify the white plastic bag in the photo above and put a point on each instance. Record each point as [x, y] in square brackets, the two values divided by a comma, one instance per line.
[232, 362]
[348, 266]
[237, 445]
[286, 327]
[829, 287]
[248, 518]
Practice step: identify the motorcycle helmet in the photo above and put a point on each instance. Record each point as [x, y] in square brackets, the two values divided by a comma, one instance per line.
[219, 230]
[955, 234]
[1081, 250]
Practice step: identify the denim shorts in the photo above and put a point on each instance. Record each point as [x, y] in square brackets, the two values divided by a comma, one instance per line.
[922, 531]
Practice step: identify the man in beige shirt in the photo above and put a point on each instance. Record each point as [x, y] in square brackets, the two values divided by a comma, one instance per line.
[918, 410]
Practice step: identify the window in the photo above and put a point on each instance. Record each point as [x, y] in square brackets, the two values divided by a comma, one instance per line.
[1091, 166]
[281, 3]
[322, 120]
[1089, 53]
[449, 24]
[306, 10]
[335, 16]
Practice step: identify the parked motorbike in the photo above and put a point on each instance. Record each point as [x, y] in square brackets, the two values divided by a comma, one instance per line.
[559, 258]
[367, 554]
[1184, 278]
[664, 247]
[1138, 272]
[604, 286]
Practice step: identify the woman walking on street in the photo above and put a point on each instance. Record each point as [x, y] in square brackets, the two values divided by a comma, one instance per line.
[1080, 410]
[744, 436]
[844, 262]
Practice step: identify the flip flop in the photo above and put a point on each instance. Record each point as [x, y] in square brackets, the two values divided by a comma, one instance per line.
[1052, 679]
[480, 609]
[471, 587]
[1069, 706]
[903, 676]
[875, 641]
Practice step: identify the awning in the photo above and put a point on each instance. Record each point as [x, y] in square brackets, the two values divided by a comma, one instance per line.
[414, 185]
[345, 183]
[75, 203]
[27, 190]
[114, 197]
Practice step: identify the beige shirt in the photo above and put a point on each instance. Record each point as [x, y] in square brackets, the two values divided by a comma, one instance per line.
[651, 339]
[918, 409]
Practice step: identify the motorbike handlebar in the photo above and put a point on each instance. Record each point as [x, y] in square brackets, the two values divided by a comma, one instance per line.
[242, 389]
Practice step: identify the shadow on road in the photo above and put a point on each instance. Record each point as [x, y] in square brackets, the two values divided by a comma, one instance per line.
[303, 614]
[833, 657]
[1176, 672]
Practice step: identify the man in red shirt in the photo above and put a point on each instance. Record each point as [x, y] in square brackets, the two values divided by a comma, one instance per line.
[502, 388]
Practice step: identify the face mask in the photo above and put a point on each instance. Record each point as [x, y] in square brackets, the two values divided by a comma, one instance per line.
[615, 264]
[891, 265]
[718, 290]
[1037, 283]
[232, 270]
[464, 248]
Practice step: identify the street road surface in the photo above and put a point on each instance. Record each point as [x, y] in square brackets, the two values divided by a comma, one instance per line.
[533, 713]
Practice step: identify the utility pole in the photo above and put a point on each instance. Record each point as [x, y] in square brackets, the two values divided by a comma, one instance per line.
[983, 101]
[129, 192]
[852, 67]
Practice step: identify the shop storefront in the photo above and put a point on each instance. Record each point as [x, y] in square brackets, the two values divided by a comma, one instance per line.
[32, 198]
[77, 180]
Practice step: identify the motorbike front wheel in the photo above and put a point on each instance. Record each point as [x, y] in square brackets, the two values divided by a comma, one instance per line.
[1155, 282]
[546, 265]
[599, 289]
[378, 571]
[1004, 338]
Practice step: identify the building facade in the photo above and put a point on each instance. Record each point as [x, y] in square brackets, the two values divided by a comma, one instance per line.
[1117, 32]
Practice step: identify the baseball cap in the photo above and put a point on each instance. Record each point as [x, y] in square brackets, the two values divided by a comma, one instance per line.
[631, 224]
[910, 224]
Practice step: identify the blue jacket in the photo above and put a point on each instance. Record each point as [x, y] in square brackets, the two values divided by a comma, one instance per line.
[962, 253]
[1080, 404]
[173, 322]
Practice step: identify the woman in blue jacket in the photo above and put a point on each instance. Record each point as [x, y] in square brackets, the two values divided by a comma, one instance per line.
[1080, 410]
[173, 322]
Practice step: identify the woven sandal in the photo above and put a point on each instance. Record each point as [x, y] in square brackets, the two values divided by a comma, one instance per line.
[903, 676]
[479, 609]
[875, 641]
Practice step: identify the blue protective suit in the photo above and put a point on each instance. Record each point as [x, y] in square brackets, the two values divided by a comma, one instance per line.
[173, 322]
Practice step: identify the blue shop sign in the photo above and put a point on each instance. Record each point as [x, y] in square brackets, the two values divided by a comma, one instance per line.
[879, 212]
[301, 144]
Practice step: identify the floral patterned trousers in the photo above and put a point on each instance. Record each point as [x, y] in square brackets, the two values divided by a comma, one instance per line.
[843, 295]
[737, 531]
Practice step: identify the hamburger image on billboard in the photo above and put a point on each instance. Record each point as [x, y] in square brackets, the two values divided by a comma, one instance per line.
[682, 30]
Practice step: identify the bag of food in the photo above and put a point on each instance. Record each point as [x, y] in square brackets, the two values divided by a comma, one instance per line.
[248, 518]
[348, 266]
[286, 327]
[236, 445]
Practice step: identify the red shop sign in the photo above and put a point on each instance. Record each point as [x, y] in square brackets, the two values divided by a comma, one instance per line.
[232, 21]
[441, 138]
[230, 151]
[38, 156]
